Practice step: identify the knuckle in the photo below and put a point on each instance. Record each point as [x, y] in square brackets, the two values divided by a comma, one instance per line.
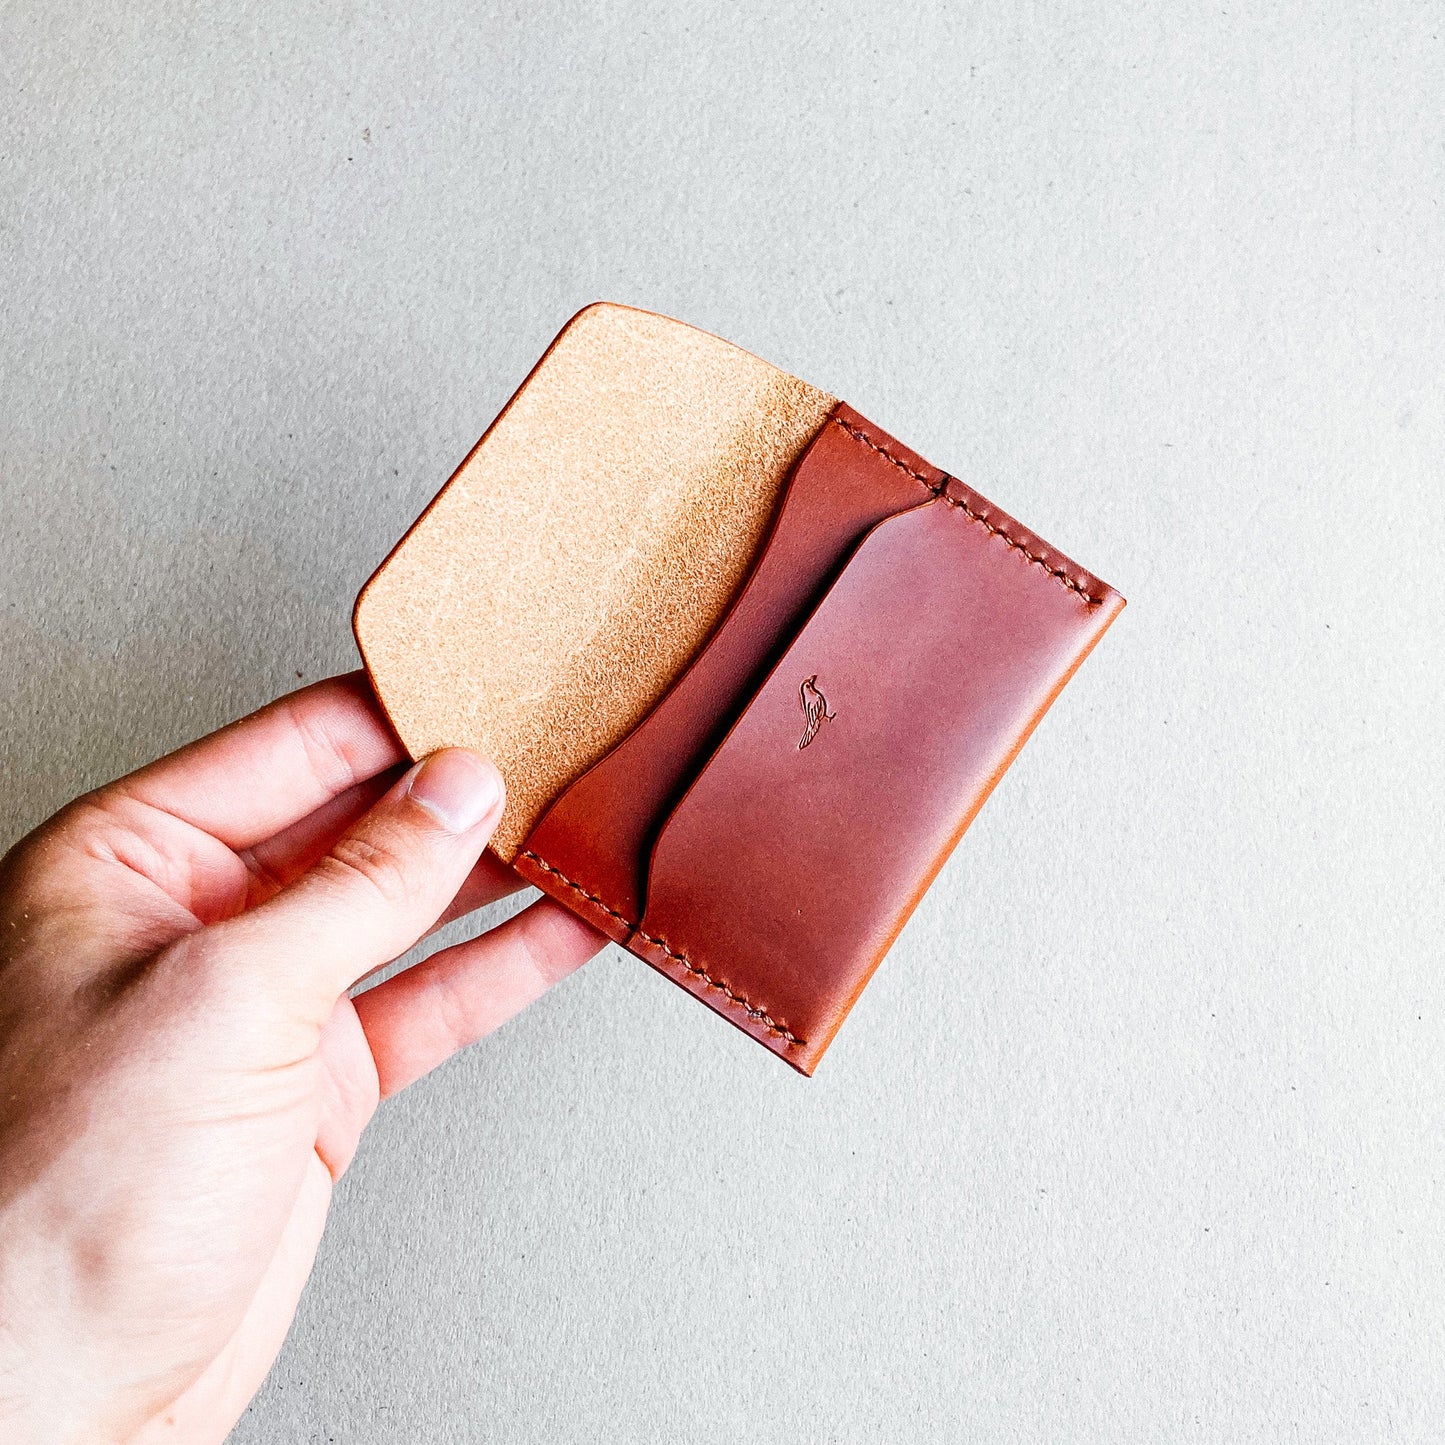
[454, 1013]
[81, 828]
[373, 865]
[20, 866]
[326, 753]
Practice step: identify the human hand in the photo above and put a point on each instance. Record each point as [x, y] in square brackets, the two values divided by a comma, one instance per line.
[183, 1077]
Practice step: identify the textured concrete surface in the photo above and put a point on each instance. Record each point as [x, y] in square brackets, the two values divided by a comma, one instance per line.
[1136, 1136]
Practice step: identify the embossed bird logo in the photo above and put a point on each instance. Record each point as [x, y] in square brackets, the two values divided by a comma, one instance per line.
[815, 710]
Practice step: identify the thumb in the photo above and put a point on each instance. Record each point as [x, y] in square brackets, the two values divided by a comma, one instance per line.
[383, 884]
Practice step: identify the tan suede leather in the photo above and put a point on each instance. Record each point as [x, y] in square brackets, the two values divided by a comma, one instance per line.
[756, 817]
[583, 551]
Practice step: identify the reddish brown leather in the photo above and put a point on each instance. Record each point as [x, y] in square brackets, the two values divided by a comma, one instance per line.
[807, 836]
[593, 843]
[786, 872]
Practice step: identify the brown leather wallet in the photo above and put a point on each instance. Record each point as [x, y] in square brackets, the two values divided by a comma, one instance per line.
[748, 665]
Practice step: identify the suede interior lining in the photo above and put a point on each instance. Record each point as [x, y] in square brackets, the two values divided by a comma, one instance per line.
[584, 551]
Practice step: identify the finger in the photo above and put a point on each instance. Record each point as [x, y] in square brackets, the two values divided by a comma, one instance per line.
[281, 860]
[420, 1018]
[379, 888]
[260, 775]
[488, 881]
[285, 856]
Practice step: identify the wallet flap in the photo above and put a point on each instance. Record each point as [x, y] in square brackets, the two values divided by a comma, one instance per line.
[583, 551]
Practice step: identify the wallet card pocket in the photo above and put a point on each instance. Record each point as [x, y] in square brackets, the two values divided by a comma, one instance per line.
[591, 847]
[763, 834]
[802, 846]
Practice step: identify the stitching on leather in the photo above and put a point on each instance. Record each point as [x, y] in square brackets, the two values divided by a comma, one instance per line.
[577, 888]
[886, 455]
[773, 1026]
[983, 521]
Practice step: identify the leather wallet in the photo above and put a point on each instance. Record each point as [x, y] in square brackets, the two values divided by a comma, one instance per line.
[748, 665]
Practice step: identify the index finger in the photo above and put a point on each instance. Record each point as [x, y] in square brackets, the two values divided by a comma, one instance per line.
[257, 776]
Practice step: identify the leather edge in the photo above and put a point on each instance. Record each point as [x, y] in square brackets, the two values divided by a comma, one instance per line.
[1092, 589]
[1111, 606]
[587, 906]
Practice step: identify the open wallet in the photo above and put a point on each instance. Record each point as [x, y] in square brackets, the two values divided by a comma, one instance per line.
[748, 665]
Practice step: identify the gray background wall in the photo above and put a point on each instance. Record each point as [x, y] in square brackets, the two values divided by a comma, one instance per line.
[1137, 1134]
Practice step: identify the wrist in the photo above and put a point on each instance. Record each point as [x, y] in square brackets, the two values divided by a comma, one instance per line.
[50, 1393]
